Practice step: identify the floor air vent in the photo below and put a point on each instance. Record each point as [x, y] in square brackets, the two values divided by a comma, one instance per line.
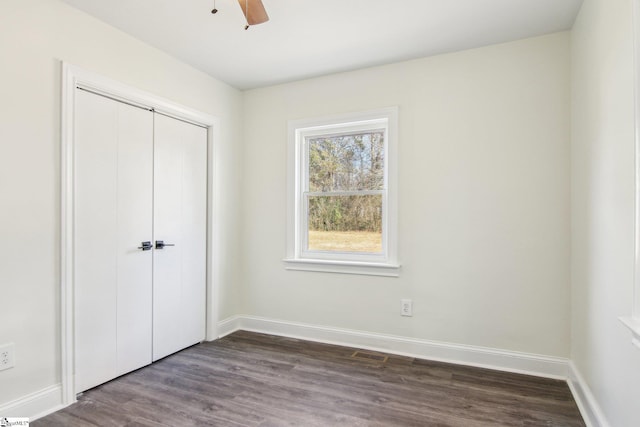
[373, 357]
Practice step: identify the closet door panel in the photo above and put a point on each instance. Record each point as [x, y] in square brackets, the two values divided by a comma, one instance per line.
[167, 266]
[194, 202]
[135, 210]
[95, 249]
[179, 279]
[113, 215]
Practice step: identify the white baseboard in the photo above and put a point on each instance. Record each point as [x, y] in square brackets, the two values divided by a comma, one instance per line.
[35, 405]
[589, 408]
[510, 361]
[228, 326]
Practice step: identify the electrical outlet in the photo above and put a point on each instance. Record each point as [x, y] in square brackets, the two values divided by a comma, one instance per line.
[406, 307]
[6, 356]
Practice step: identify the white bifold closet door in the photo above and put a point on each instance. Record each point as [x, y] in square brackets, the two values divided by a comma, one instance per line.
[179, 271]
[113, 215]
[139, 177]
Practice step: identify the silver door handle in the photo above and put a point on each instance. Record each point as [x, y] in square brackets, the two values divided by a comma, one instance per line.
[146, 246]
[161, 244]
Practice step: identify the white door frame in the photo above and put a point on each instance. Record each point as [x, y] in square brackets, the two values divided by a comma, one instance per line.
[72, 78]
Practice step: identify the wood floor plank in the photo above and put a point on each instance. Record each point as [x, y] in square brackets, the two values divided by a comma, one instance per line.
[256, 380]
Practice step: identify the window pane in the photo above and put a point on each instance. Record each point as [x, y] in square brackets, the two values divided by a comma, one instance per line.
[345, 223]
[347, 162]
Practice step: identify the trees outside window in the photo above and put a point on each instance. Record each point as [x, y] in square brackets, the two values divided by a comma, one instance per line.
[345, 188]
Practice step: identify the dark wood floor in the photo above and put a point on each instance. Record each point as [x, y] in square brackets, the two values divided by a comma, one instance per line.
[249, 379]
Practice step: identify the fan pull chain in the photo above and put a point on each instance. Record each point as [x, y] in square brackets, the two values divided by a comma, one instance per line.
[215, 10]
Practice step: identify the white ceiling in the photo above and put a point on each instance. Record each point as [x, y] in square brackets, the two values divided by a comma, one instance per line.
[306, 38]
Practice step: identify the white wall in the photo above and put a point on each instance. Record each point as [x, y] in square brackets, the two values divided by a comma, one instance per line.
[35, 36]
[484, 199]
[603, 207]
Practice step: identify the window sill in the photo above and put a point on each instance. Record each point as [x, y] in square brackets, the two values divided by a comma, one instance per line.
[343, 267]
[634, 325]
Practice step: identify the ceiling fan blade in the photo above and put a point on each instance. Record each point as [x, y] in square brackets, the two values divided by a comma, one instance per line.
[254, 11]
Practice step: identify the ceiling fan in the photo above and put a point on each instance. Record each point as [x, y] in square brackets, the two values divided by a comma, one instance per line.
[253, 10]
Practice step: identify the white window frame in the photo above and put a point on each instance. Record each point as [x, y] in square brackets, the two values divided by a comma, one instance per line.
[298, 257]
[633, 321]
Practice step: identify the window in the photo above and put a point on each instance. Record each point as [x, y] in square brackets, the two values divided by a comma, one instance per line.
[342, 194]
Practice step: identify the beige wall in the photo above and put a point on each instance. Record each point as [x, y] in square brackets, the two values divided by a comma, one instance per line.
[35, 36]
[603, 207]
[483, 203]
